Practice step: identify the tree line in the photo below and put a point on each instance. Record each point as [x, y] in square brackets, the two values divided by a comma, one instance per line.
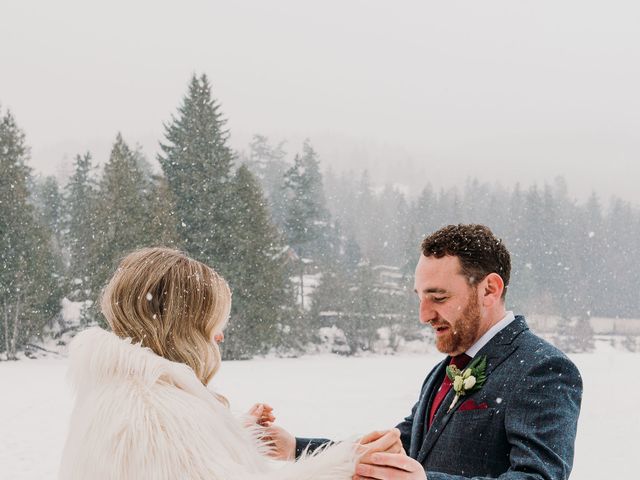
[301, 250]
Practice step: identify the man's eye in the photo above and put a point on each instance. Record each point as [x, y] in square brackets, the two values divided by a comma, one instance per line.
[439, 299]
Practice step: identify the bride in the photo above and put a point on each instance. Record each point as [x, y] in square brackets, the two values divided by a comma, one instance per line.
[143, 409]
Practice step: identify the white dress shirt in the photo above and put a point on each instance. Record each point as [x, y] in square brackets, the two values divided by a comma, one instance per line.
[484, 339]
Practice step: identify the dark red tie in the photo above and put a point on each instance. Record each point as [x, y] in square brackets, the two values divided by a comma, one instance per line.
[459, 361]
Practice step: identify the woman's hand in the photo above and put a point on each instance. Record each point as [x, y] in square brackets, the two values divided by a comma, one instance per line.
[260, 414]
[282, 443]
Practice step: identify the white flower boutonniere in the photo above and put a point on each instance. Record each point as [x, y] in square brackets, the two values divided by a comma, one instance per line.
[468, 380]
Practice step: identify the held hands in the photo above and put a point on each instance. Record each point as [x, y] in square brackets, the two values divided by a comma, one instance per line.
[381, 454]
[283, 444]
[385, 459]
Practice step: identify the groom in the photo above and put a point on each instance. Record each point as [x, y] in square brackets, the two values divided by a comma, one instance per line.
[520, 422]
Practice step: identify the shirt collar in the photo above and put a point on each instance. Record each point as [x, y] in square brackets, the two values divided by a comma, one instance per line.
[483, 340]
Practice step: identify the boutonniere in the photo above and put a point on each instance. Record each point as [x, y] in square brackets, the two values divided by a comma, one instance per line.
[468, 380]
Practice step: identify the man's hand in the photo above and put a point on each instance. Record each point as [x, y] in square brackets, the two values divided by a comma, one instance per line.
[387, 441]
[380, 441]
[390, 466]
[260, 414]
[282, 443]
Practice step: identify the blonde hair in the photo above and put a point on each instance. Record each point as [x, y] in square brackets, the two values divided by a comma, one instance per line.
[170, 303]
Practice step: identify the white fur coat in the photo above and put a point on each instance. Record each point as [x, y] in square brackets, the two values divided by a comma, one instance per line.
[141, 416]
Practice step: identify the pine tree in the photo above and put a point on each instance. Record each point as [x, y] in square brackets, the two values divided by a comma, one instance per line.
[422, 211]
[306, 220]
[262, 297]
[352, 300]
[307, 223]
[581, 246]
[411, 252]
[365, 219]
[393, 213]
[619, 294]
[197, 164]
[362, 328]
[29, 273]
[49, 203]
[163, 228]
[267, 163]
[352, 254]
[80, 224]
[123, 214]
[331, 300]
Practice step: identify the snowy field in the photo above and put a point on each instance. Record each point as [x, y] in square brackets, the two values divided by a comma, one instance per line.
[325, 396]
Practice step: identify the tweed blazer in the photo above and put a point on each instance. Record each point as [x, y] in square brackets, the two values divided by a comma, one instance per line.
[520, 425]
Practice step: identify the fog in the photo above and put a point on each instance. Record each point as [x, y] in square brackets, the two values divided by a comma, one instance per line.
[320, 255]
[415, 92]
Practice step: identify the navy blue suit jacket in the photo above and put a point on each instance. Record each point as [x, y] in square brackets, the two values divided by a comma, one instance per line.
[532, 394]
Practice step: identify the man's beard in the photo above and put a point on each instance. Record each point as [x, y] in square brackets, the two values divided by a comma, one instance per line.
[463, 333]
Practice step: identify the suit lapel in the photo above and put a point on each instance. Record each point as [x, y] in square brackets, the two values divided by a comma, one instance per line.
[421, 420]
[497, 350]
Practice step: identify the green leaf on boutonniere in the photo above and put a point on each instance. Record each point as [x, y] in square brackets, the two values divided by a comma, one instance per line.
[469, 380]
[453, 372]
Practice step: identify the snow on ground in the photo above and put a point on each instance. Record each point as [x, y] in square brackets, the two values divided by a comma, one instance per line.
[320, 395]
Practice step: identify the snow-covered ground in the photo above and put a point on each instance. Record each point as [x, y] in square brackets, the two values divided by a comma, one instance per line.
[321, 395]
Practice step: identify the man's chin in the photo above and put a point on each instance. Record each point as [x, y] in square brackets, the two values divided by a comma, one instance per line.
[444, 346]
[449, 347]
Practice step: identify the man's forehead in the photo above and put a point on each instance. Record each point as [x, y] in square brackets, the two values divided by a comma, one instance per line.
[439, 265]
[432, 272]
[431, 290]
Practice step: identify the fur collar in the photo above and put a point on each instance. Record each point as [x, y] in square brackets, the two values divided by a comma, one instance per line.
[97, 356]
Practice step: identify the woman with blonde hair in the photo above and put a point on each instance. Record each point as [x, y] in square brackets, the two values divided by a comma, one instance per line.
[143, 409]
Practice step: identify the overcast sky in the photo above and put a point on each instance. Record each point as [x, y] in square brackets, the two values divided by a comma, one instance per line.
[416, 92]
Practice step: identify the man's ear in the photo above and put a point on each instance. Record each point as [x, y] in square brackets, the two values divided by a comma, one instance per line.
[491, 289]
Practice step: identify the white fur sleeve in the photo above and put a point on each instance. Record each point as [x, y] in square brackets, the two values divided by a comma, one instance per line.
[336, 462]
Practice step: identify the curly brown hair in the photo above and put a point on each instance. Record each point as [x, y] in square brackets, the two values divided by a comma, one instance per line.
[480, 252]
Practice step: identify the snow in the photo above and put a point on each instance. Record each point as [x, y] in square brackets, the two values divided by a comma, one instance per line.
[323, 395]
[71, 311]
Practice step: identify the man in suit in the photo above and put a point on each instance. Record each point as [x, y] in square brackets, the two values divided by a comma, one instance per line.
[521, 421]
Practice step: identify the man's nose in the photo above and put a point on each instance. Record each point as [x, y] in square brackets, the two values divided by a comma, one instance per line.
[427, 314]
